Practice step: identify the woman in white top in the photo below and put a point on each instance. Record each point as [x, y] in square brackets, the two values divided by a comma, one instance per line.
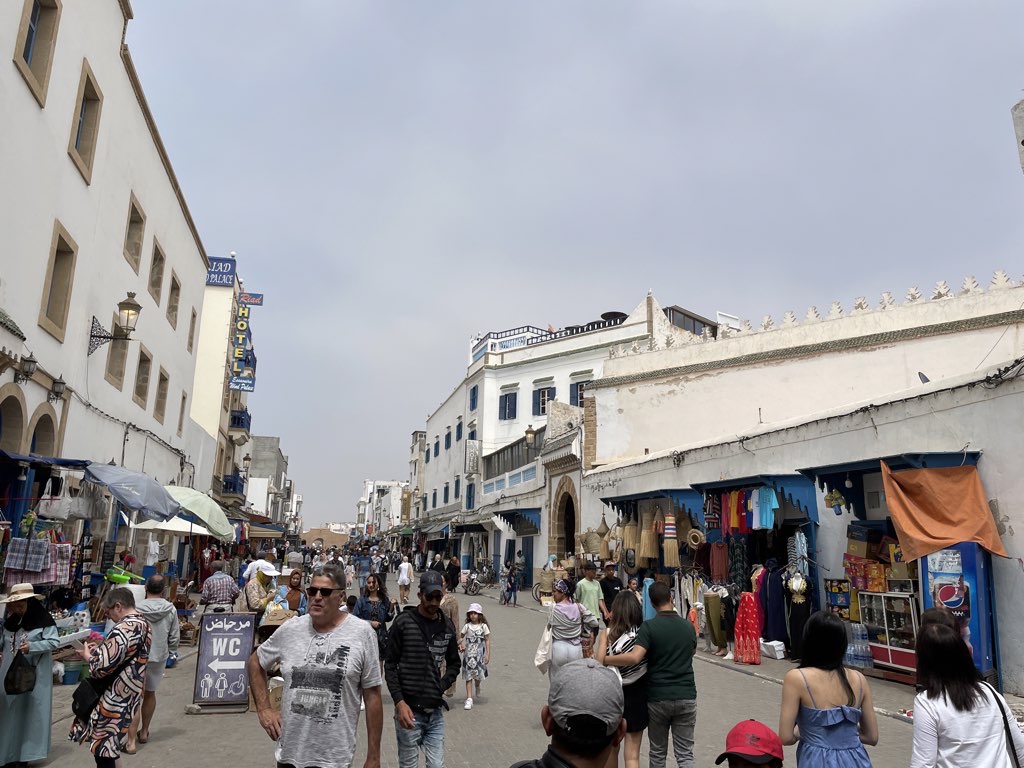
[404, 579]
[958, 719]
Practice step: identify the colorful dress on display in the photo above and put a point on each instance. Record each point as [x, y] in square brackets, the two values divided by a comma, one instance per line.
[748, 636]
[830, 738]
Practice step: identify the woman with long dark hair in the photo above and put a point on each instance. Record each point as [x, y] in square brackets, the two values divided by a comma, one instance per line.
[825, 706]
[624, 622]
[376, 608]
[958, 719]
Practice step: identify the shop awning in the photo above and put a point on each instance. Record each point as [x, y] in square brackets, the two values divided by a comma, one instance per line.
[936, 507]
[257, 531]
[685, 498]
[408, 531]
[35, 460]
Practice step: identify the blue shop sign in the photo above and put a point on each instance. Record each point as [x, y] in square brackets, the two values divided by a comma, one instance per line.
[242, 383]
[221, 272]
[252, 299]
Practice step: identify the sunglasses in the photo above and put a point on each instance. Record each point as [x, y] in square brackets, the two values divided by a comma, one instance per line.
[322, 591]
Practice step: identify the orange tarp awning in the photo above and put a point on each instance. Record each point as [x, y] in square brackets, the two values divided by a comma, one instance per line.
[933, 508]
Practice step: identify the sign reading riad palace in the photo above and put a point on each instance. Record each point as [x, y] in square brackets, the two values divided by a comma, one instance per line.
[221, 272]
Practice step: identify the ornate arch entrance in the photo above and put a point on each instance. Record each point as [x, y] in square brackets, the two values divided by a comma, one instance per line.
[12, 423]
[565, 522]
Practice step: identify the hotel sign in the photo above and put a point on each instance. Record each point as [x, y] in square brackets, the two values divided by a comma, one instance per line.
[221, 272]
[473, 448]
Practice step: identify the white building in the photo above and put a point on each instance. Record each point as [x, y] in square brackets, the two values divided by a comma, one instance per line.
[816, 405]
[379, 508]
[91, 213]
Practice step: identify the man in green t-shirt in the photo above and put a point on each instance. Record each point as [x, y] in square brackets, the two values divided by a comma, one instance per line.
[588, 589]
[668, 642]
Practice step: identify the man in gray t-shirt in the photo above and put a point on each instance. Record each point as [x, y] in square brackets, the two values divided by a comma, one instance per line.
[329, 661]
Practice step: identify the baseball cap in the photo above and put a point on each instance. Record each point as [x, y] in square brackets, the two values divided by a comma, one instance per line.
[431, 581]
[584, 687]
[267, 569]
[753, 741]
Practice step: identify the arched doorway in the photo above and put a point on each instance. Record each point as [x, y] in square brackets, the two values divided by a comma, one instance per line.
[44, 437]
[12, 424]
[568, 526]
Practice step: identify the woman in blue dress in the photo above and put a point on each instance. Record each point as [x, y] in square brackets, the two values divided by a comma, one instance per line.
[826, 707]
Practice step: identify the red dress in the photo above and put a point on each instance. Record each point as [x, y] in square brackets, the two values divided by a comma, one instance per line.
[748, 632]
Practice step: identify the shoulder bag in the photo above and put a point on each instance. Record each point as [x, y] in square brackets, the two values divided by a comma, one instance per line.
[542, 659]
[1010, 746]
[20, 677]
[89, 691]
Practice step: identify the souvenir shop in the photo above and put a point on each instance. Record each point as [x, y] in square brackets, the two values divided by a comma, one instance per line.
[908, 533]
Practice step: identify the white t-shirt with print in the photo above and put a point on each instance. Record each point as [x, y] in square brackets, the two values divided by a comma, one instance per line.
[324, 675]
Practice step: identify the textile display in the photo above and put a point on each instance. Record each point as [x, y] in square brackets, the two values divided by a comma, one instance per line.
[748, 638]
[935, 508]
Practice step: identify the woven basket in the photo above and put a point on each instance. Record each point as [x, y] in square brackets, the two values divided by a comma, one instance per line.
[592, 542]
[630, 535]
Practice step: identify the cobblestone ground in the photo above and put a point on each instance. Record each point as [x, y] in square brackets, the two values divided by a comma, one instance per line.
[502, 728]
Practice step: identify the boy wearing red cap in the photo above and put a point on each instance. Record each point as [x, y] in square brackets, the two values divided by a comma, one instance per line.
[751, 744]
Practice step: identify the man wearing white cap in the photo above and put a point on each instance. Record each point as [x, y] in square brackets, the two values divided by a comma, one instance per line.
[583, 717]
[27, 629]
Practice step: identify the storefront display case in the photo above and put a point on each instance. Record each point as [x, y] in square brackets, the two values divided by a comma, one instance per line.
[891, 621]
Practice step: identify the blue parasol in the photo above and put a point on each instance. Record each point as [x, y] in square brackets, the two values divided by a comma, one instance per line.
[134, 490]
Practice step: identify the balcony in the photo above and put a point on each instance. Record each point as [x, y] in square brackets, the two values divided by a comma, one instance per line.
[240, 421]
[233, 485]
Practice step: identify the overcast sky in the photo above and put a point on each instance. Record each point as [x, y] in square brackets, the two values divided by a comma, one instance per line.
[398, 176]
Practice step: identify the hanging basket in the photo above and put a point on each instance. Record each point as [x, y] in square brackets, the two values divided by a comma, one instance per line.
[605, 552]
[591, 542]
[602, 529]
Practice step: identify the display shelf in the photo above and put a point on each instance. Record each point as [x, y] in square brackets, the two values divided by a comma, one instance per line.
[891, 621]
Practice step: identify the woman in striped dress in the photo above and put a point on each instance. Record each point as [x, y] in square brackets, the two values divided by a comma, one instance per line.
[620, 637]
[123, 655]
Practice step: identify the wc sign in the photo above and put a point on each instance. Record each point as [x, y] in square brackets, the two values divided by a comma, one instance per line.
[224, 647]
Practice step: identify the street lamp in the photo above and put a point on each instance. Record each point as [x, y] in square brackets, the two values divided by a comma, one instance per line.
[127, 319]
[531, 436]
[246, 463]
[26, 369]
[56, 390]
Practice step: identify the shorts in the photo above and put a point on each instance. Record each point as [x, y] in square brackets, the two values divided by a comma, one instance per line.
[635, 706]
[154, 674]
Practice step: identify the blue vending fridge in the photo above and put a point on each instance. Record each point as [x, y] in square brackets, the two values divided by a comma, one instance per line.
[960, 579]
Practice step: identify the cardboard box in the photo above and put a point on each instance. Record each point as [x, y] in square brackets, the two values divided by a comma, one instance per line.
[858, 548]
[864, 532]
[773, 649]
[843, 613]
[895, 554]
[885, 548]
[837, 592]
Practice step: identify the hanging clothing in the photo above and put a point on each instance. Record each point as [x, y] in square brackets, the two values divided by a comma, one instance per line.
[748, 645]
[737, 560]
[719, 562]
[799, 610]
[714, 614]
[730, 605]
[649, 612]
[768, 503]
[772, 598]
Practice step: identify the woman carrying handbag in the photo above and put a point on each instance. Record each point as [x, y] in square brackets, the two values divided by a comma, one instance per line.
[29, 635]
[959, 720]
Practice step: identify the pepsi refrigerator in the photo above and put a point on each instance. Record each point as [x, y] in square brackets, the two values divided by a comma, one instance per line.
[959, 578]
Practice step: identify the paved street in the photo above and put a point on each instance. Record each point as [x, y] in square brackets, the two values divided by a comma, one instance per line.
[503, 728]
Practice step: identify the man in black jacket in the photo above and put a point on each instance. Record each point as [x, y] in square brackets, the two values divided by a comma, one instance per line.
[421, 639]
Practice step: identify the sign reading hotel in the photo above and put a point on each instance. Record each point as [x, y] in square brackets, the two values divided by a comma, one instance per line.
[243, 379]
[221, 272]
[473, 457]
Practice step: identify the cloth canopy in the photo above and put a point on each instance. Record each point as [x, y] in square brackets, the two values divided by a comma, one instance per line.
[134, 490]
[205, 508]
[175, 525]
[934, 508]
[257, 531]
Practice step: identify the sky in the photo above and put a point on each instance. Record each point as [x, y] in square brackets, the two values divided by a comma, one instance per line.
[398, 176]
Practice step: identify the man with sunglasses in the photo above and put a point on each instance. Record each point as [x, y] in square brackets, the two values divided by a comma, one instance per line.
[422, 639]
[329, 661]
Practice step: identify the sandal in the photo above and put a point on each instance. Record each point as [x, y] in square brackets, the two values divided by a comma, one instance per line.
[142, 740]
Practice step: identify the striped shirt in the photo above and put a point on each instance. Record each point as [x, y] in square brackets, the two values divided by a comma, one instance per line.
[624, 644]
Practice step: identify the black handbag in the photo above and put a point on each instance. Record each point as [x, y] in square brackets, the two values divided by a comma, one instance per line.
[20, 677]
[90, 690]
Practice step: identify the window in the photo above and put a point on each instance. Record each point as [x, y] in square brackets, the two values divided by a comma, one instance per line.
[142, 374]
[437, 446]
[448, 439]
[433, 499]
[470, 495]
[163, 383]
[457, 484]
[37, 37]
[60, 276]
[541, 398]
[458, 431]
[472, 434]
[426, 456]
[117, 357]
[446, 493]
[507, 406]
[474, 393]
[85, 125]
[173, 299]
[181, 412]
[133, 234]
[576, 391]
[156, 272]
[191, 331]
[424, 507]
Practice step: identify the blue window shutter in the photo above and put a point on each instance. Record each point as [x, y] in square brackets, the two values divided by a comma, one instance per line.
[472, 434]
[502, 405]
[574, 394]
[470, 495]
[447, 440]
[536, 402]
[473, 394]
[446, 493]
[512, 397]
[457, 483]
[458, 431]
[424, 507]
[551, 394]
[437, 448]
[426, 456]
[434, 499]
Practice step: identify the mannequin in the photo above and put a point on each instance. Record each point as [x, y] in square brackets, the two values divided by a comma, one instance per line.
[798, 591]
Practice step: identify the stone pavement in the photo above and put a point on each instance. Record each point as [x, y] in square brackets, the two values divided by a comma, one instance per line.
[504, 726]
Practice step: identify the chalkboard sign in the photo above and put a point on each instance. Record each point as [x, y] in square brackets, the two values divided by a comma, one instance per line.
[107, 557]
[225, 643]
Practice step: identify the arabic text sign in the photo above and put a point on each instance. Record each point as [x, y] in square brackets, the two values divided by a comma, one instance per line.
[224, 647]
